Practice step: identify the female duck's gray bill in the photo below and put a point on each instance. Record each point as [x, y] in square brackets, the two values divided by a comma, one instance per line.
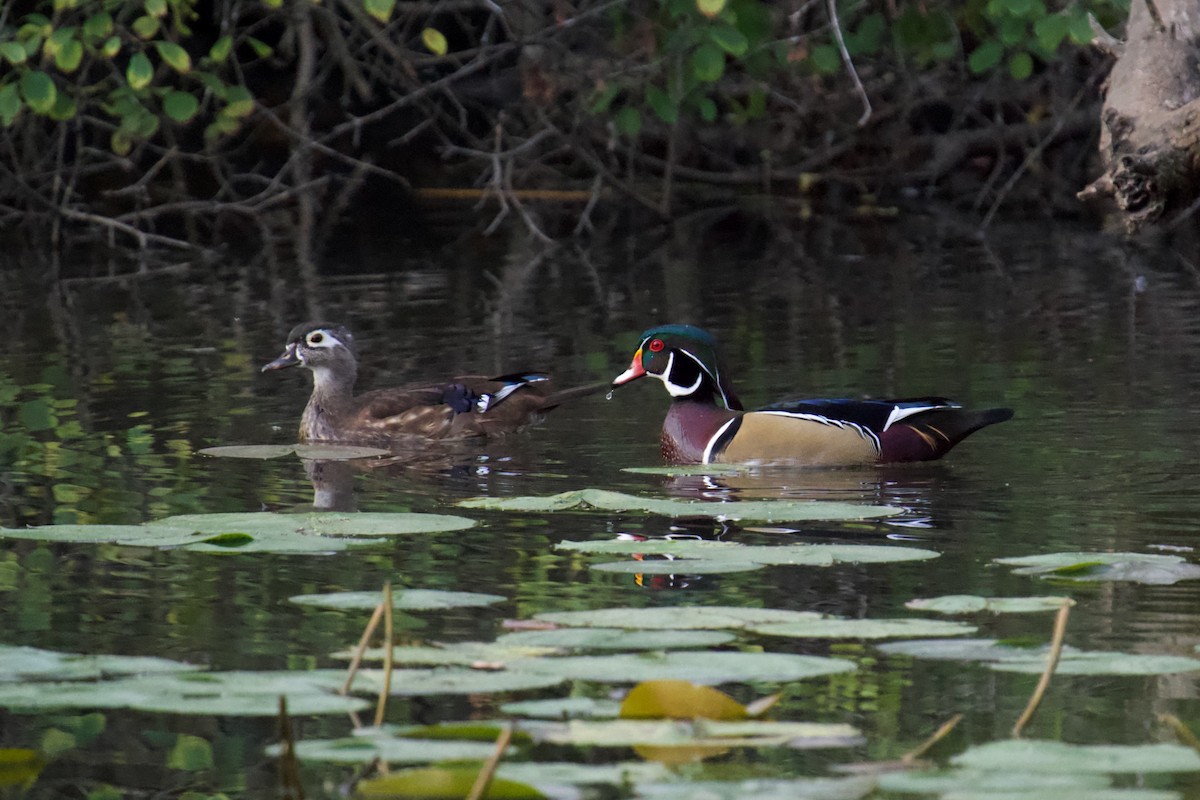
[288, 359]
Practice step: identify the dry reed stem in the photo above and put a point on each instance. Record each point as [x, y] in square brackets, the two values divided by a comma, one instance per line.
[1182, 732]
[388, 655]
[484, 779]
[1056, 645]
[290, 787]
[352, 670]
[938, 735]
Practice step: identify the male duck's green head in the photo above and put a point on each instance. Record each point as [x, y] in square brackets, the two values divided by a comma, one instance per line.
[685, 359]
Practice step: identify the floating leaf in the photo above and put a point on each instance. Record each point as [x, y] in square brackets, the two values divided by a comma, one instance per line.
[222, 693]
[38, 90]
[703, 733]
[373, 744]
[456, 680]
[1005, 658]
[454, 654]
[679, 700]
[1030, 755]
[1082, 566]
[758, 510]
[833, 628]
[678, 617]
[407, 599]
[556, 774]
[680, 566]
[697, 667]
[759, 789]
[31, 664]
[985, 781]
[434, 41]
[971, 604]
[564, 708]
[614, 639]
[328, 523]
[682, 548]
[322, 452]
[442, 783]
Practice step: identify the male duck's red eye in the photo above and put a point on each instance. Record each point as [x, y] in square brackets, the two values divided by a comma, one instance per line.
[656, 345]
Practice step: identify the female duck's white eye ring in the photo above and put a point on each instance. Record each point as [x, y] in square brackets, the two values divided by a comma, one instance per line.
[316, 337]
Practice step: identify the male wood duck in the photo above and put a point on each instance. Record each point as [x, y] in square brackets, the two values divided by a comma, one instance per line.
[700, 430]
[463, 406]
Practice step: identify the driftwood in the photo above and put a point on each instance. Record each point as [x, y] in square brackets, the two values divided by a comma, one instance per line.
[1150, 132]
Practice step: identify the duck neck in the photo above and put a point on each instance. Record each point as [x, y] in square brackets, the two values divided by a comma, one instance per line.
[332, 396]
[690, 424]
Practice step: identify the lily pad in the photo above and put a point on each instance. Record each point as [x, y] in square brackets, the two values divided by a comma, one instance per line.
[757, 510]
[323, 452]
[1030, 755]
[698, 667]
[615, 639]
[1004, 658]
[31, 664]
[323, 523]
[677, 566]
[984, 783]
[457, 680]
[558, 773]
[834, 628]
[678, 617]
[405, 599]
[765, 789]
[564, 708]
[259, 532]
[253, 694]
[971, 604]
[696, 733]
[441, 783]
[455, 654]
[1145, 568]
[389, 749]
[819, 555]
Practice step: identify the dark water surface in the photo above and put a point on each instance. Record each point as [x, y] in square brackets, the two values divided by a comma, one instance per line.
[110, 386]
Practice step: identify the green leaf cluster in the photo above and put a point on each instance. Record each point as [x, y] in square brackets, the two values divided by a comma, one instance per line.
[134, 64]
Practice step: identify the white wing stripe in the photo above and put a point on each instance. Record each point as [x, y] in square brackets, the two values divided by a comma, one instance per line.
[861, 430]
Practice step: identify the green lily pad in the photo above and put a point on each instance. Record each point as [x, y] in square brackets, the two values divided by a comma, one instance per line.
[693, 733]
[1145, 568]
[697, 667]
[362, 749]
[1066, 794]
[31, 664]
[457, 680]
[323, 452]
[681, 548]
[757, 510]
[678, 617]
[978, 780]
[614, 639]
[684, 470]
[819, 555]
[455, 654]
[1004, 658]
[834, 628]
[441, 783]
[406, 599]
[260, 532]
[559, 773]
[564, 708]
[219, 693]
[971, 604]
[321, 523]
[764, 789]
[677, 566]
[1030, 755]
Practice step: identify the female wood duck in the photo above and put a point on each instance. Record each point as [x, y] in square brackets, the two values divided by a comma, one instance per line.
[464, 406]
[699, 430]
